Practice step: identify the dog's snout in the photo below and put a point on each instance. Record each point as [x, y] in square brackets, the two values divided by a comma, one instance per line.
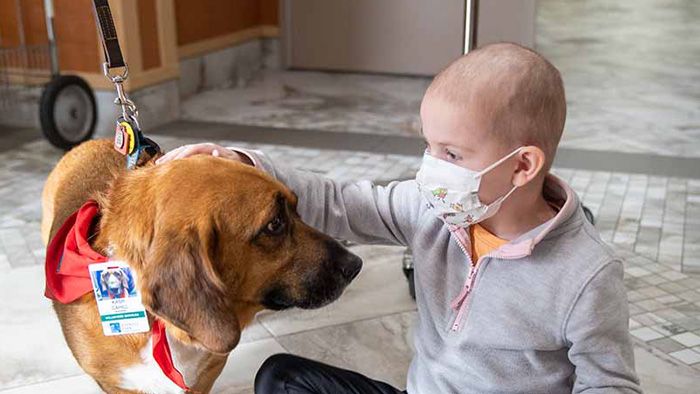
[348, 263]
[351, 267]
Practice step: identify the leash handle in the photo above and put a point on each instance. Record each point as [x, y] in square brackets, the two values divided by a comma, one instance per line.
[114, 59]
[108, 34]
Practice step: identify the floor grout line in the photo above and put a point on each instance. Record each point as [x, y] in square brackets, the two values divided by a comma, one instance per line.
[346, 323]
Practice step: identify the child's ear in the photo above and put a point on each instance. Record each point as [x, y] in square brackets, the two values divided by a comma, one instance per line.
[531, 161]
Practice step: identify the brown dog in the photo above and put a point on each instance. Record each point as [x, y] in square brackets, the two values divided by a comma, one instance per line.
[211, 241]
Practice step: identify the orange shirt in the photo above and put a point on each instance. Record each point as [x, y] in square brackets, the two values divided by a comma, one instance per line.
[483, 242]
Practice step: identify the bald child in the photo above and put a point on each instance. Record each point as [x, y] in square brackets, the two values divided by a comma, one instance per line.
[516, 291]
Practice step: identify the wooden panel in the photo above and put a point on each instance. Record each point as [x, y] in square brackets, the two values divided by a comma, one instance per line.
[34, 22]
[167, 31]
[205, 19]
[9, 28]
[269, 12]
[76, 36]
[148, 29]
[23, 23]
[220, 42]
[74, 27]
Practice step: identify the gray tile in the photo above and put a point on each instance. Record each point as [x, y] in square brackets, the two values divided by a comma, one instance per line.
[672, 287]
[379, 348]
[646, 334]
[666, 345]
[650, 305]
[689, 323]
[687, 356]
[358, 302]
[239, 373]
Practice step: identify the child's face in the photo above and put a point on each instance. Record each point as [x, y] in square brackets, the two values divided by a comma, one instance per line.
[463, 135]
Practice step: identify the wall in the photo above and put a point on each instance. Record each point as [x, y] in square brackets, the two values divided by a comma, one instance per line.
[209, 25]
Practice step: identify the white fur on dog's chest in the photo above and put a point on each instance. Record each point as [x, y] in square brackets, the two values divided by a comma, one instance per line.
[147, 376]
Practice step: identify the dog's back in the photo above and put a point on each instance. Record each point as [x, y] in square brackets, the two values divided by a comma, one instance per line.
[82, 173]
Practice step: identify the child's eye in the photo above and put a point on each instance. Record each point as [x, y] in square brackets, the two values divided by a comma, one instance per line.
[451, 155]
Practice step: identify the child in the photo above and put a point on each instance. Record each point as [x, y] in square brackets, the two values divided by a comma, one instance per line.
[516, 291]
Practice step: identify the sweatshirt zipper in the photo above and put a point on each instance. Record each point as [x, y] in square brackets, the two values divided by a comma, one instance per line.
[459, 303]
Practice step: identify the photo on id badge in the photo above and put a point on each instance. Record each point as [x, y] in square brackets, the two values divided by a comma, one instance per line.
[113, 282]
[118, 298]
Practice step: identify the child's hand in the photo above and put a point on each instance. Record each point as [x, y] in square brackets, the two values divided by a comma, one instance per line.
[206, 148]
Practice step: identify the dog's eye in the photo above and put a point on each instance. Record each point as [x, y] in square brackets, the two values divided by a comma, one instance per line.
[276, 226]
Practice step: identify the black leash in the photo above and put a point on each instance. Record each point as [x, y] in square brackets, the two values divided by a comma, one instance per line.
[128, 138]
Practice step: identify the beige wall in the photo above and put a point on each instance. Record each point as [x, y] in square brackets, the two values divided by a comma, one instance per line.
[393, 36]
[506, 20]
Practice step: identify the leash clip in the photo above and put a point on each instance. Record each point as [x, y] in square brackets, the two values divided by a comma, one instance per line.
[129, 111]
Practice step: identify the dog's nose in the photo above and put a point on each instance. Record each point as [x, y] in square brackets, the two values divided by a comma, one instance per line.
[348, 263]
[351, 266]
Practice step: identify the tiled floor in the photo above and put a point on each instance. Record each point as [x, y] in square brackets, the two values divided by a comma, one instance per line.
[368, 328]
[310, 100]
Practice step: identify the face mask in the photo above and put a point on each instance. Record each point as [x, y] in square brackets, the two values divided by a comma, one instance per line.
[452, 192]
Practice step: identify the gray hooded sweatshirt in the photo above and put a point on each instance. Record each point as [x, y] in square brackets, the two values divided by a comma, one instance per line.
[545, 313]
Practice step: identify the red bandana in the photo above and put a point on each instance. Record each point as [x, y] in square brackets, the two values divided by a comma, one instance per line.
[67, 278]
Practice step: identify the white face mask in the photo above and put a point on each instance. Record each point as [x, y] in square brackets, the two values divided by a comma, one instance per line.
[452, 192]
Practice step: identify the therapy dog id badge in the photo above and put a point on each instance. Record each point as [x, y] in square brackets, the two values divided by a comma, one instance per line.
[118, 298]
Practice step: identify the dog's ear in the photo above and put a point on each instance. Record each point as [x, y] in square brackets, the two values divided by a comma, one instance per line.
[125, 280]
[180, 283]
[103, 280]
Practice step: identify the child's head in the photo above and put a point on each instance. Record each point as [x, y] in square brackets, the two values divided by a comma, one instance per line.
[490, 102]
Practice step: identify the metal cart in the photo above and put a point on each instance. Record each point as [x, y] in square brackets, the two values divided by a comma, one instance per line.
[67, 108]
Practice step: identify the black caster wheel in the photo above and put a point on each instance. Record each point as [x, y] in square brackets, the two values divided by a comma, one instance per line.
[409, 273]
[67, 111]
[588, 214]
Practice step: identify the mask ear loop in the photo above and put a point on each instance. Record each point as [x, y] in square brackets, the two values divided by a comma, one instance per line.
[498, 163]
[507, 194]
[500, 200]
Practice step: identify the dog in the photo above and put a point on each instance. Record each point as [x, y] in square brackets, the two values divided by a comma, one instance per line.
[210, 242]
[115, 283]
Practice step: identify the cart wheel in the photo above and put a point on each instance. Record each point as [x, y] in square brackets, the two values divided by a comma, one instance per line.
[410, 278]
[67, 111]
[588, 214]
[408, 272]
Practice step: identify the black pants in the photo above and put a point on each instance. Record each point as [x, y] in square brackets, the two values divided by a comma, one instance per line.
[289, 374]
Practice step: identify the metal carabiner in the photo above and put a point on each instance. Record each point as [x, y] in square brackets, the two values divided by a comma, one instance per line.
[117, 77]
[129, 111]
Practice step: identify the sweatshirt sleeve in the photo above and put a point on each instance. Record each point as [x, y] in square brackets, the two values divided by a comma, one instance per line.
[358, 211]
[598, 335]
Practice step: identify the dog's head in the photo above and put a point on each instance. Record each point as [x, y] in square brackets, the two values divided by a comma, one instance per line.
[114, 280]
[211, 240]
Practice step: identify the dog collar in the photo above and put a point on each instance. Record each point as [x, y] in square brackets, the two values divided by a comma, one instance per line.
[67, 278]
